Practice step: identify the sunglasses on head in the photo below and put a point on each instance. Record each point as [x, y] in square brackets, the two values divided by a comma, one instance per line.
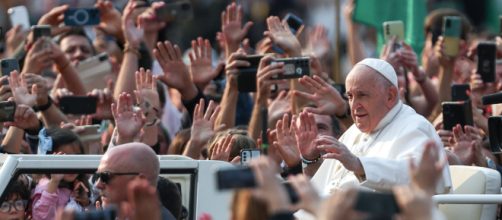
[106, 176]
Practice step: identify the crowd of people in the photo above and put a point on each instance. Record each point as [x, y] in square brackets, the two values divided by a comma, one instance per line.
[384, 133]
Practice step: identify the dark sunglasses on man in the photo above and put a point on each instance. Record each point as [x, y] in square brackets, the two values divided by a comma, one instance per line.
[106, 176]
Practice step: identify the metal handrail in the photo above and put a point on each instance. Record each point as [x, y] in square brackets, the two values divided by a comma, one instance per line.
[468, 199]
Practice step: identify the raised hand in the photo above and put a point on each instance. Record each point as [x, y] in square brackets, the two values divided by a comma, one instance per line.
[327, 99]
[467, 145]
[306, 134]
[309, 198]
[24, 118]
[231, 27]
[415, 204]
[143, 200]
[54, 18]
[13, 38]
[286, 141]
[175, 71]
[221, 150]
[132, 34]
[147, 96]
[280, 34]
[269, 188]
[203, 123]
[234, 61]
[337, 150]
[318, 41]
[105, 99]
[42, 89]
[128, 121]
[110, 19]
[201, 68]
[38, 58]
[267, 70]
[427, 173]
[20, 90]
[409, 59]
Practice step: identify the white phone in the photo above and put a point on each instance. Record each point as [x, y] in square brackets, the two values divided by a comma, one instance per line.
[19, 16]
[249, 154]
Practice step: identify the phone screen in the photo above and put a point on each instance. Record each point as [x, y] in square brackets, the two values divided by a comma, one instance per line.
[495, 133]
[234, 178]
[78, 105]
[457, 113]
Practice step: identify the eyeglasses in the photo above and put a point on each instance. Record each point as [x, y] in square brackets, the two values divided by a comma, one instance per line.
[19, 205]
[106, 176]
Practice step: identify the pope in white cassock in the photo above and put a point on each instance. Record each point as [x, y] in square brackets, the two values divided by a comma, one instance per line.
[374, 152]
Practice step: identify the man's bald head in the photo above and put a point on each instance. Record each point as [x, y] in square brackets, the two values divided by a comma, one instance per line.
[135, 157]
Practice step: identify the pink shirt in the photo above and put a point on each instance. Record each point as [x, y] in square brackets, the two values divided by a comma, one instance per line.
[45, 204]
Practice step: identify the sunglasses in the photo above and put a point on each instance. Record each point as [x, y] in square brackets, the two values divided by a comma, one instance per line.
[106, 176]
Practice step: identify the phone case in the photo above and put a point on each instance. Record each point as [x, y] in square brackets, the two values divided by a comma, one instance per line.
[294, 22]
[295, 67]
[19, 16]
[78, 105]
[41, 31]
[8, 65]
[81, 16]
[93, 70]
[456, 113]
[7, 110]
[487, 52]
[495, 133]
[232, 178]
[451, 32]
[459, 92]
[246, 78]
[393, 28]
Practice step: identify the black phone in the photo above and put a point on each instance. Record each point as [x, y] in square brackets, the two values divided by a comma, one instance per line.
[81, 16]
[40, 31]
[495, 133]
[8, 65]
[7, 111]
[181, 10]
[459, 92]
[487, 52]
[459, 112]
[246, 78]
[294, 67]
[78, 105]
[235, 178]
[294, 22]
[376, 204]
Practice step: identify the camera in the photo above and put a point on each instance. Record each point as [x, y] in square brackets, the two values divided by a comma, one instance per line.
[105, 214]
[294, 67]
[81, 16]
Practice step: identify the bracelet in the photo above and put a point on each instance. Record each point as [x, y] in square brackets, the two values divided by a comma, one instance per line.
[43, 107]
[128, 48]
[308, 162]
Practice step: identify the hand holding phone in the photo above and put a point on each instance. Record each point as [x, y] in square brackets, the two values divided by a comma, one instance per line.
[294, 67]
[19, 16]
[452, 27]
[454, 113]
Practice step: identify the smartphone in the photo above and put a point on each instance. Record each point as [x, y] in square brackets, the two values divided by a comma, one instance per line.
[93, 70]
[391, 29]
[296, 26]
[246, 78]
[19, 16]
[8, 65]
[7, 111]
[78, 105]
[459, 92]
[81, 16]
[102, 214]
[294, 67]
[495, 133]
[295, 23]
[459, 112]
[376, 204]
[178, 10]
[249, 154]
[452, 27]
[487, 52]
[235, 178]
[89, 133]
[40, 31]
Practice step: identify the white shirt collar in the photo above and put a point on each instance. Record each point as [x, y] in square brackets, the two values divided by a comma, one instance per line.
[388, 117]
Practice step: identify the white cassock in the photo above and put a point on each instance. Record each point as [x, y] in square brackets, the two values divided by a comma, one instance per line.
[384, 153]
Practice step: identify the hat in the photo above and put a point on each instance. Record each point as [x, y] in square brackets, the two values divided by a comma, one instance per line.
[382, 67]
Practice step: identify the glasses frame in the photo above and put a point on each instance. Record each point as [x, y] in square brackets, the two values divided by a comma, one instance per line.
[12, 204]
[107, 176]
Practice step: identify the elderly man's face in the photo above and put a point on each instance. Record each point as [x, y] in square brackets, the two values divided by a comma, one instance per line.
[369, 100]
[115, 190]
